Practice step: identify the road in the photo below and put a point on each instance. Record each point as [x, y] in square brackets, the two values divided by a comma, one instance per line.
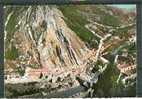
[60, 94]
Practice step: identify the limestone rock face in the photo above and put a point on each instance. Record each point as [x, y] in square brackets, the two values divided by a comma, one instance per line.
[46, 39]
[54, 48]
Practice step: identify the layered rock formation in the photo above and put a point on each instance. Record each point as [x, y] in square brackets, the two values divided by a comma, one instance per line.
[56, 49]
[45, 39]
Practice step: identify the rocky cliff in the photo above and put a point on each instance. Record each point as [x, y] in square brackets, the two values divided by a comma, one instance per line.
[59, 47]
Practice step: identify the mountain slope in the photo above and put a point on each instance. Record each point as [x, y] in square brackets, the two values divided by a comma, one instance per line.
[55, 44]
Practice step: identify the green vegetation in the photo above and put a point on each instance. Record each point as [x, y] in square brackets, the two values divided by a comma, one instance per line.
[107, 85]
[110, 20]
[11, 53]
[10, 27]
[20, 71]
[102, 11]
[13, 91]
[76, 22]
[34, 66]
[106, 18]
